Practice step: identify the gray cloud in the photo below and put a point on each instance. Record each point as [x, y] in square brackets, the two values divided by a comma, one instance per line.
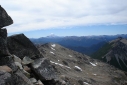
[48, 14]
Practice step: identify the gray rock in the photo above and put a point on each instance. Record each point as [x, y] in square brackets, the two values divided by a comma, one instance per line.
[33, 80]
[17, 78]
[26, 73]
[20, 79]
[5, 78]
[19, 65]
[5, 19]
[3, 43]
[39, 82]
[21, 46]
[43, 69]
[26, 60]
[17, 59]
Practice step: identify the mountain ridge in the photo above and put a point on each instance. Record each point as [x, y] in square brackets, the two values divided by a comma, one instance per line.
[114, 53]
[76, 42]
[71, 65]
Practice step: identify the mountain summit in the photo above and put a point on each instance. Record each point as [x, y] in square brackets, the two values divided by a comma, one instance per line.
[52, 36]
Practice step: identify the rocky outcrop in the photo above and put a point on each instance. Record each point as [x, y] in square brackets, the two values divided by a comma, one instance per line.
[10, 73]
[5, 19]
[21, 46]
[3, 43]
[13, 79]
[5, 78]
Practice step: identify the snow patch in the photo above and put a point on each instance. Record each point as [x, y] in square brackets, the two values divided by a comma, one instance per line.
[68, 67]
[78, 68]
[86, 83]
[59, 64]
[52, 52]
[70, 55]
[94, 74]
[93, 64]
[53, 45]
[52, 48]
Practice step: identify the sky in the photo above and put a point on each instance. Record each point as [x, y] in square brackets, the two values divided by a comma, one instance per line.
[39, 18]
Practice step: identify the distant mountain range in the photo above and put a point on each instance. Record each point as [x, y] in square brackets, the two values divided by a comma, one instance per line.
[114, 53]
[83, 44]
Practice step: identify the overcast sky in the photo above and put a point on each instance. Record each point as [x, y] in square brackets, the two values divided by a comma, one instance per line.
[54, 15]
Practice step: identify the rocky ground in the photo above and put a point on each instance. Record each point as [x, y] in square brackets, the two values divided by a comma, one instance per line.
[21, 63]
[78, 69]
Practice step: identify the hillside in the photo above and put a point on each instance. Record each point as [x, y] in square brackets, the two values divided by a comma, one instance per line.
[114, 53]
[76, 68]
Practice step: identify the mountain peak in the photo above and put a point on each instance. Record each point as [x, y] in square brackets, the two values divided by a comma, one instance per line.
[52, 36]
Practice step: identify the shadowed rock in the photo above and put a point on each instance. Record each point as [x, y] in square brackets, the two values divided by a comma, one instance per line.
[3, 43]
[8, 60]
[21, 46]
[20, 79]
[5, 78]
[5, 19]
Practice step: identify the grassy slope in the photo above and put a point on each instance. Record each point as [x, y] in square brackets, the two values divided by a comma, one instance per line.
[102, 51]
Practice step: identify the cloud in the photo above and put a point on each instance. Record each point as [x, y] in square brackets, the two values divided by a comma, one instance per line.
[47, 14]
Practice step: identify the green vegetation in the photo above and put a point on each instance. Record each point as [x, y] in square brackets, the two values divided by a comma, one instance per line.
[102, 51]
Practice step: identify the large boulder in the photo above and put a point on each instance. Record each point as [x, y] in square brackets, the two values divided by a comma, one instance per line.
[43, 69]
[5, 19]
[21, 46]
[3, 43]
[17, 78]
[20, 79]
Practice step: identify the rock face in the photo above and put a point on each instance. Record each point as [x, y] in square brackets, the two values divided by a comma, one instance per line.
[10, 74]
[74, 68]
[3, 43]
[115, 54]
[21, 46]
[5, 19]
